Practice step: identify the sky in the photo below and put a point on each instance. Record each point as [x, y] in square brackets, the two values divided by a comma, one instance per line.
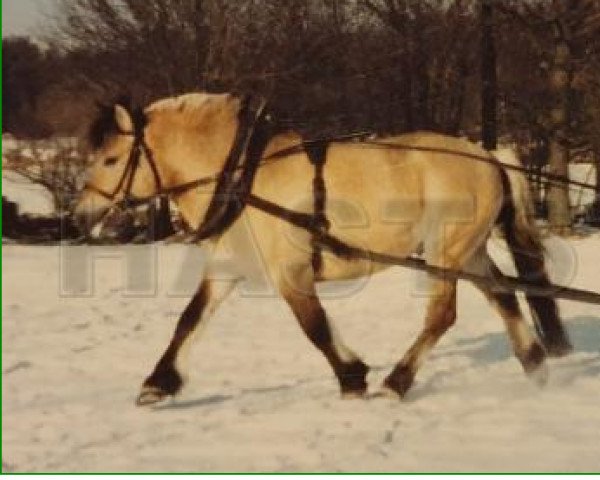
[24, 17]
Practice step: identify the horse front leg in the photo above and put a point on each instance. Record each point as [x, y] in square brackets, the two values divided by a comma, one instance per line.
[350, 371]
[168, 376]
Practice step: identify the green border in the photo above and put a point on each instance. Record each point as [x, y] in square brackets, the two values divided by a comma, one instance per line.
[1, 257]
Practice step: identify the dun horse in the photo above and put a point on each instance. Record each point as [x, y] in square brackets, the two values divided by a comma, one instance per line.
[176, 141]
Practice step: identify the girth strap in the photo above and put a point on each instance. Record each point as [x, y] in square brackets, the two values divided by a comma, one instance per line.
[317, 153]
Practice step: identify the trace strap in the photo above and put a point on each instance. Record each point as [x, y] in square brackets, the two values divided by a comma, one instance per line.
[502, 284]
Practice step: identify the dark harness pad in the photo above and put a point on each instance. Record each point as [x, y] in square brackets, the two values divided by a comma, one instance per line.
[235, 181]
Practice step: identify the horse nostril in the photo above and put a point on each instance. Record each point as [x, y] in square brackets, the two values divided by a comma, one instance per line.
[85, 220]
[81, 222]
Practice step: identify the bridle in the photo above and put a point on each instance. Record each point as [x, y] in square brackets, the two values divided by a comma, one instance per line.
[125, 183]
[233, 182]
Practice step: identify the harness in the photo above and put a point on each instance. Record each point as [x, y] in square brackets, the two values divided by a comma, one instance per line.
[233, 183]
[233, 193]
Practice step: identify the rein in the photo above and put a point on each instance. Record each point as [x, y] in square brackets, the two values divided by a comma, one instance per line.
[359, 138]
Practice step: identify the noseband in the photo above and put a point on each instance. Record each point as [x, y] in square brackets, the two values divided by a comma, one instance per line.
[125, 183]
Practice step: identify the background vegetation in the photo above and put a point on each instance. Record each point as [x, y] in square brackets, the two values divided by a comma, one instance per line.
[328, 66]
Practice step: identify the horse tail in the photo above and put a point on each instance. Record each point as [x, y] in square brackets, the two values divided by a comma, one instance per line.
[525, 245]
[518, 212]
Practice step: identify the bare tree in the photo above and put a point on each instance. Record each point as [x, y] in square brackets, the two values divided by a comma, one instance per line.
[563, 30]
[56, 165]
[437, 57]
[154, 47]
[489, 84]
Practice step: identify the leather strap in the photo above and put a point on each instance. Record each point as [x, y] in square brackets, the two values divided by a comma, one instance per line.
[317, 153]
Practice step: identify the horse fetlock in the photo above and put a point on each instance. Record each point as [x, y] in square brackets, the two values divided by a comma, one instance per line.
[558, 345]
[400, 380]
[352, 378]
[534, 364]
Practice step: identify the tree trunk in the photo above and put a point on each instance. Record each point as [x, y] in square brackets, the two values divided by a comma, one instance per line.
[489, 134]
[593, 217]
[557, 198]
[559, 214]
[597, 157]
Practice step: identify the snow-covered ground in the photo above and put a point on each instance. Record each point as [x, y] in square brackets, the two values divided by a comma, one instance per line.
[31, 198]
[260, 398]
[581, 198]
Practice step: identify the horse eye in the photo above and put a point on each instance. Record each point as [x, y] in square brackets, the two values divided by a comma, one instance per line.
[109, 162]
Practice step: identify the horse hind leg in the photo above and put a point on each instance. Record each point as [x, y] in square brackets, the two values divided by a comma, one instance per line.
[350, 371]
[528, 255]
[526, 346]
[544, 310]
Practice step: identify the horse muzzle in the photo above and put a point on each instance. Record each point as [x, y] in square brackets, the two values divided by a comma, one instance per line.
[90, 210]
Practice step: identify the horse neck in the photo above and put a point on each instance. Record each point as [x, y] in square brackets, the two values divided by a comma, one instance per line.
[187, 163]
[193, 203]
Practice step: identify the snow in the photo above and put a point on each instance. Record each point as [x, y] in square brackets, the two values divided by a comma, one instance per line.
[260, 398]
[31, 198]
[582, 197]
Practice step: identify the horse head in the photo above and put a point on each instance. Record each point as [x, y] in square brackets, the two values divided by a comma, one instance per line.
[139, 154]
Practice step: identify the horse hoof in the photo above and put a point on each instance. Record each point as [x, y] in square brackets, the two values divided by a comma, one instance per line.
[386, 392]
[352, 379]
[151, 396]
[559, 350]
[353, 395]
[399, 381]
[539, 376]
[534, 364]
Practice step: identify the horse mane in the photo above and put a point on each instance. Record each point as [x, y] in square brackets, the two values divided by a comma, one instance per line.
[188, 102]
[192, 108]
[104, 126]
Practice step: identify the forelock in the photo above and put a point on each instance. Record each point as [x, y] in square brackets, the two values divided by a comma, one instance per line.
[105, 126]
[187, 103]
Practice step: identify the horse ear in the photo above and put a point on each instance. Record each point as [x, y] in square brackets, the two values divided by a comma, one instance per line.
[123, 119]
